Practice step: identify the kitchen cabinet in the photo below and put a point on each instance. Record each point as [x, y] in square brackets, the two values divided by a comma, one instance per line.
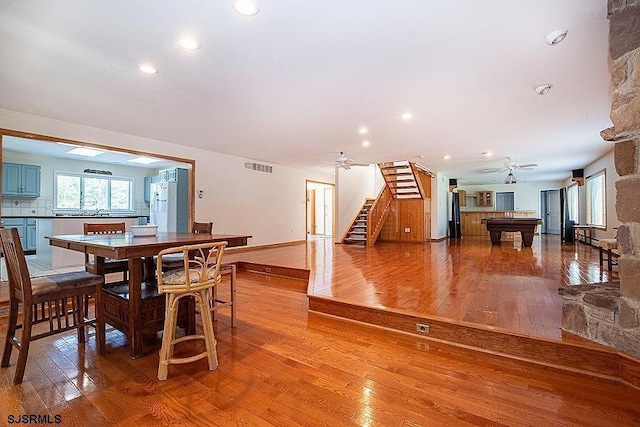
[15, 223]
[30, 234]
[20, 180]
[484, 198]
[27, 230]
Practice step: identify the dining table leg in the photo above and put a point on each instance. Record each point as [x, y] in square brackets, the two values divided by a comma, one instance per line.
[135, 308]
[99, 309]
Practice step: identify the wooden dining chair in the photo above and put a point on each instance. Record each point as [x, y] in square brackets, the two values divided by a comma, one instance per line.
[57, 300]
[199, 274]
[173, 261]
[110, 265]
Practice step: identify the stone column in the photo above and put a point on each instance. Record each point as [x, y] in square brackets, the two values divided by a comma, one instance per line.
[624, 46]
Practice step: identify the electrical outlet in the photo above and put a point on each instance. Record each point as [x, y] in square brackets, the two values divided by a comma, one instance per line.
[422, 328]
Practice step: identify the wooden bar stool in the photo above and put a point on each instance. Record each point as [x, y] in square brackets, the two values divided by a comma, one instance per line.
[58, 300]
[197, 277]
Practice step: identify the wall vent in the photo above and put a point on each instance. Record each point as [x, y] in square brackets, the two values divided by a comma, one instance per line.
[258, 167]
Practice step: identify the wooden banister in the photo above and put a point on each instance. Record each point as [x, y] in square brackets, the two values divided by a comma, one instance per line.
[377, 215]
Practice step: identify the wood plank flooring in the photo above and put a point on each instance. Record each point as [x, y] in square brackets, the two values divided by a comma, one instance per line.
[507, 286]
[284, 366]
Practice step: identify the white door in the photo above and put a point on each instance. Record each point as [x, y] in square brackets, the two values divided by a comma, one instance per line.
[553, 211]
[328, 211]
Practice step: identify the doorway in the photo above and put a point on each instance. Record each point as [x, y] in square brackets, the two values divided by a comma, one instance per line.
[550, 211]
[319, 209]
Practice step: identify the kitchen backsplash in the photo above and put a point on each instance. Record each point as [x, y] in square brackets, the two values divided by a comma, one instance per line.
[43, 206]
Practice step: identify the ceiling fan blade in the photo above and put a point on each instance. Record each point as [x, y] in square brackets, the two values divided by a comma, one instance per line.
[528, 165]
[525, 169]
[359, 164]
[493, 170]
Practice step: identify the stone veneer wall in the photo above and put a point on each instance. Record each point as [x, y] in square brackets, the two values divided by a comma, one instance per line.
[607, 314]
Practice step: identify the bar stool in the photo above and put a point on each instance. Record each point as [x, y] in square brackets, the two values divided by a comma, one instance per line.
[173, 261]
[607, 247]
[199, 275]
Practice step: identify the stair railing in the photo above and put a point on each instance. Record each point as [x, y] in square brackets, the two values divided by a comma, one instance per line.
[377, 214]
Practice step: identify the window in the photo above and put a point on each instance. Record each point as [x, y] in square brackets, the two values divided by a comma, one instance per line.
[82, 192]
[596, 199]
[504, 201]
[572, 203]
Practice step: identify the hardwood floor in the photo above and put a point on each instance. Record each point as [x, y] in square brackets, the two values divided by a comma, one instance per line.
[507, 286]
[284, 366]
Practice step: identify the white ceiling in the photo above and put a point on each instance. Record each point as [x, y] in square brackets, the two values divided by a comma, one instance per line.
[293, 84]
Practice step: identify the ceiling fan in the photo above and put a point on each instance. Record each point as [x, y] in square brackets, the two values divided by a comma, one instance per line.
[345, 162]
[510, 166]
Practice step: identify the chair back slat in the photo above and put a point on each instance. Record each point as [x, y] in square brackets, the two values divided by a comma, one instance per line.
[202, 227]
[17, 270]
[109, 228]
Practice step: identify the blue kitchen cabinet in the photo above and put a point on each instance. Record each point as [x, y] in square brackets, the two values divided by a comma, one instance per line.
[20, 180]
[30, 234]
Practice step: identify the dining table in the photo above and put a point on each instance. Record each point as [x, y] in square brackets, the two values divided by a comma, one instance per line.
[134, 307]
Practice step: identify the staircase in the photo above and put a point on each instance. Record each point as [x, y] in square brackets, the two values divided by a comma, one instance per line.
[357, 233]
[404, 180]
[401, 179]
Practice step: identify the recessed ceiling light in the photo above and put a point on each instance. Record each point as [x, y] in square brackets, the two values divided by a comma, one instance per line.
[189, 43]
[555, 37]
[363, 130]
[407, 115]
[365, 143]
[446, 157]
[144, 160]
[487, 153]
[543, 89]
[87, 152]
[245, 7]
[148, 69]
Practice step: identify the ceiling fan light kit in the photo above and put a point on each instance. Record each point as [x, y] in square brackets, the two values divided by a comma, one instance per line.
[344, 162]
[510, 179]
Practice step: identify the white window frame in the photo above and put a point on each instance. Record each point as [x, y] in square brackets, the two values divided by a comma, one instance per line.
[596, 199]
[81, 208]
[573, 202]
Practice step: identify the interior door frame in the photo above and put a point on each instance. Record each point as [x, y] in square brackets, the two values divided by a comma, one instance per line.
[333, 205]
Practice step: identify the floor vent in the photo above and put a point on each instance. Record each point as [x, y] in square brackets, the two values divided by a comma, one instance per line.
[258, 167]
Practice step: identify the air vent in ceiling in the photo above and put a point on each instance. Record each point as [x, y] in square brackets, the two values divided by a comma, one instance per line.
[258, 167]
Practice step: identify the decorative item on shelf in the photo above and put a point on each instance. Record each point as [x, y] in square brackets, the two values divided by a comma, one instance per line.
[97, 171]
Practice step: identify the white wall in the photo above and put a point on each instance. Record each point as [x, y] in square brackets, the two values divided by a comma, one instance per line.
[270, 207]
[526, 194]
[353, 186]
